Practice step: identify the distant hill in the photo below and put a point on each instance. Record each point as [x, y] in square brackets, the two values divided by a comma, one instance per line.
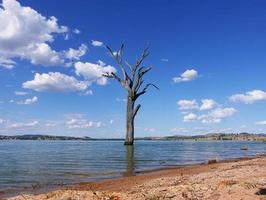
[213, 136]
[210, 136]
[40, 137]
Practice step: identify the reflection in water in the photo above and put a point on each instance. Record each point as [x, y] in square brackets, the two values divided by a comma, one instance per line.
[130, 160]
[49, 163]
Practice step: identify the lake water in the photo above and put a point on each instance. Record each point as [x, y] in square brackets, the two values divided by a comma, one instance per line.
[31, 164]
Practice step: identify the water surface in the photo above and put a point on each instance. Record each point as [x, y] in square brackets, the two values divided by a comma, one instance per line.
[39, 164]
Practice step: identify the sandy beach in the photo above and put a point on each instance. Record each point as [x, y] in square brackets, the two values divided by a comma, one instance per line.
[235, 179]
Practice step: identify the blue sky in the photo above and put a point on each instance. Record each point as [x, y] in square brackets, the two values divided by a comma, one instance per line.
[208, 59]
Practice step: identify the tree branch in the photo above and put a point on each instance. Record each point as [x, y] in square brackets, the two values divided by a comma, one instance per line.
[141, 73]
[114, 76]
[135, 81]
[119, 60]
[144, 54]
[136, 110]
[144, 90]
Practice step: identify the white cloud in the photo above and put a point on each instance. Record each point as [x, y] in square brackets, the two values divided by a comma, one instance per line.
[55, 82]
[86, 93]
[207, 104]
[216, 115]
[222, 112]
[7, 63]
[100, 62]
[188, 75]
[51, 124]
[93, 72]
[2, 121]
[20, 93]
[187, 104]
[76, 31]
[179, 130]
[75, 54]
[149, 130]
[190, 117]
[120, 100]
[28, 101]
[164, 60]
[43, 54]
[249, 97]
[26, 34]
[261, 123]
[207, 119]
[96, 43]
[81, 123]
[24, 125]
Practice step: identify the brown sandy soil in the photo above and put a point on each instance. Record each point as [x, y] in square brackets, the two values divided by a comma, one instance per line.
[242, 179]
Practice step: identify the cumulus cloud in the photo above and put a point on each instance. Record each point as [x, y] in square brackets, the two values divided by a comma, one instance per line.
[222, 112]
[55, 82]
[207, 104]
[86, 93]
[81, 123]
[23, 125]
[51, 124]
[120, 99]
[261, 122]
[26, 34]
[149, 130]
[96, 43]
[216, 115]
[249, 97]
[93, 72]
[76, 31]
[7, 63]
[179, 130]
[20, 93]
[100, 62]
[75, 54]
[190, 117]
[187, 104]
[43, 54]
[215, 112]
[164, 60]
[188, 75]
[28, 101]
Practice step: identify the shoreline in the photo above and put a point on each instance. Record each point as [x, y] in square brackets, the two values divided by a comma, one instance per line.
[124, 183]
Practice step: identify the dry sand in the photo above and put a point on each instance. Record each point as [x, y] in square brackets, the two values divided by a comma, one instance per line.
[239, 179]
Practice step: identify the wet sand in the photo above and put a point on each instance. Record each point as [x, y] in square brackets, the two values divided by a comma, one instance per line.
[235, 179]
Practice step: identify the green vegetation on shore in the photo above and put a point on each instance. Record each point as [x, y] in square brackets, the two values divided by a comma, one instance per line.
[208, 137]
[40, 137]
[214, 136]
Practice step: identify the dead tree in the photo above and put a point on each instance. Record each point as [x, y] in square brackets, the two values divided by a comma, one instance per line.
[132, 81]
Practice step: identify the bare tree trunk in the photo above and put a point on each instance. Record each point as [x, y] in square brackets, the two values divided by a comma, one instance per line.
[130, 121]
[133, 84]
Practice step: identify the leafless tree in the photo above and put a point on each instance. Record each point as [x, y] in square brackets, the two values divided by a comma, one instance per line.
[132, 81]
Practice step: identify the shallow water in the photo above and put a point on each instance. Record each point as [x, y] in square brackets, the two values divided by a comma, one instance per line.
[39, 164]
